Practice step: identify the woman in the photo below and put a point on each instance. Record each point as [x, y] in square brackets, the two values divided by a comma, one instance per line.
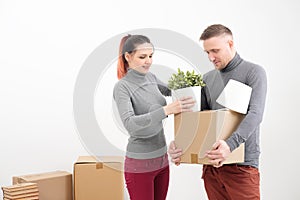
[142, 107]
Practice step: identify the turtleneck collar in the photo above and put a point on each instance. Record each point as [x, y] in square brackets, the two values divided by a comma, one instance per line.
[135, 75]
[233, 63]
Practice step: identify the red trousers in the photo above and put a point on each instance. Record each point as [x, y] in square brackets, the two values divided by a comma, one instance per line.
[231, 182]
[149, 185]
[147, 179]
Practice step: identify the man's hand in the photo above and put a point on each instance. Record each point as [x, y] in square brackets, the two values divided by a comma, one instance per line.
[175, 153]
[220, 151]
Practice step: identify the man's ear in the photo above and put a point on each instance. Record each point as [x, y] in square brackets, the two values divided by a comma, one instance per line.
[231, 43]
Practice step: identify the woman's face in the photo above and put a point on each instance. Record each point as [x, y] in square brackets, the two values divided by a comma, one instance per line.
[141, 59]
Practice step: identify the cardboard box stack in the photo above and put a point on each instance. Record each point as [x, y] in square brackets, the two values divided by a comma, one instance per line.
[98, 178]
[196, 132]
[56, 185]
[22, 191]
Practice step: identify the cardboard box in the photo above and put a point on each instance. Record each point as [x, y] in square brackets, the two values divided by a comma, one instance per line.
[51, 185]
[196, 132]
[98, 178]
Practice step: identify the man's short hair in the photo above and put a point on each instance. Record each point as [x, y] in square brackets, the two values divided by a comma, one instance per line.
[214, 31]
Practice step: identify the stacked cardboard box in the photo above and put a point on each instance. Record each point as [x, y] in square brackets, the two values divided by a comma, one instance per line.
[22, 191]
[56, 185]
[98, 178]
[196, 132]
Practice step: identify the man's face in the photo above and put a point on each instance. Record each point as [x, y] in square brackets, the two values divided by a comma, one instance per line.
[220, 50]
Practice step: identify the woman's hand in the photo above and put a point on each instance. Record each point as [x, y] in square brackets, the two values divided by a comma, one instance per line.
[175, 153]
[184, 104]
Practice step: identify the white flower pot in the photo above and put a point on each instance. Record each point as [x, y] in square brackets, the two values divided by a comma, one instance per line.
[194, 92]
[235, 96]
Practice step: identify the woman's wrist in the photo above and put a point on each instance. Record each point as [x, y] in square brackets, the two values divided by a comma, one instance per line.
[166, 110]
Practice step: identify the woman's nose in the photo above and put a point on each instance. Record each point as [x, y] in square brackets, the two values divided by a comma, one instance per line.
[148, 60]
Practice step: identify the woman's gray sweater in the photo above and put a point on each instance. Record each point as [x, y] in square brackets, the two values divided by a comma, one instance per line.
[139, 98]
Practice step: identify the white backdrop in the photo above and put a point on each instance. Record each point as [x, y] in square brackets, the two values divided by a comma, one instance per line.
[43, 45]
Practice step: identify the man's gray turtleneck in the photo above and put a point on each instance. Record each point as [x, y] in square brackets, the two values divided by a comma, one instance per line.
[248, 131]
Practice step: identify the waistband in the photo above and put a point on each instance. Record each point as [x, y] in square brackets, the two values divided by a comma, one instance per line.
[133, 165]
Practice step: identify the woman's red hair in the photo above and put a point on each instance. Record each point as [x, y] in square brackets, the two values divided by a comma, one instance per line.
[122, 65]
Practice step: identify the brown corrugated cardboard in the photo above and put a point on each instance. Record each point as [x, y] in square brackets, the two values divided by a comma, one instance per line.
[51, 185]
[196, 132]
[20, 187]
[98, 178]
[21, 196]
[21, 191]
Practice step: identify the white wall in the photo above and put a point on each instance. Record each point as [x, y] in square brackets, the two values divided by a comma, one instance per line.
[43, 45]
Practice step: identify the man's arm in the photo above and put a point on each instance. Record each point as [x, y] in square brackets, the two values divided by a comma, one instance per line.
[221, 149]
[258, 82]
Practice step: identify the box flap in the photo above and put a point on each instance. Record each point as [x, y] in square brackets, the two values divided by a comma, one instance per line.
[41, 176]
[96, 159]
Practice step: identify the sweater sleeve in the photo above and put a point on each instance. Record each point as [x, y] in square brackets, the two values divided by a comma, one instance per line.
[258, 81]
[136, 125]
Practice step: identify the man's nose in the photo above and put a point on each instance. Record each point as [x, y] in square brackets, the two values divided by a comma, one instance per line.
[211, 57]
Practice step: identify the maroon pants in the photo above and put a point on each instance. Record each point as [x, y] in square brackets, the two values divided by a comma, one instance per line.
[148, 185]
[147, 179]
[231, 182]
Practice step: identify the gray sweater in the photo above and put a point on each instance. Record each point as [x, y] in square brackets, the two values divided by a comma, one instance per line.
[139, 98]
[248, 131]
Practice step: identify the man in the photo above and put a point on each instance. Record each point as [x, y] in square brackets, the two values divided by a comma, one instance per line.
[231, 181]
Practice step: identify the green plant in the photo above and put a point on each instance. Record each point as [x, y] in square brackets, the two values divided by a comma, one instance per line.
[183, 80]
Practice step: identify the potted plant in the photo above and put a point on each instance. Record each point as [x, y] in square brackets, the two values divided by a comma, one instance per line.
[187, 84]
